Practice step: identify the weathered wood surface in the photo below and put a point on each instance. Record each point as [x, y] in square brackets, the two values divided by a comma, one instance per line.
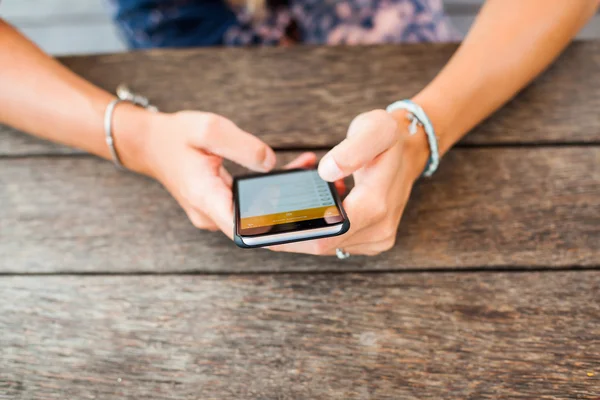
[514, 207]
[367, 336]
[362, 335]
[307, 96]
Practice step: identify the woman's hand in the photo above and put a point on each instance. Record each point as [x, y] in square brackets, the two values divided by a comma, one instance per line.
[385, 161]
[184, 151]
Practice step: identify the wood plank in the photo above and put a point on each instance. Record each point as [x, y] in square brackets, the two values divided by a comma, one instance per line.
[485, 208]
[306, 96]
[462, 7]
[389, 336]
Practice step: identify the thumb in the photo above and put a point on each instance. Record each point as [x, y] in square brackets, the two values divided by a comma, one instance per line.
[225, 139]
[369, 135]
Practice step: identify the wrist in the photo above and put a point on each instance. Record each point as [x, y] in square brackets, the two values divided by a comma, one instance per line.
[433, 104]
[415, 148]
[131, 129]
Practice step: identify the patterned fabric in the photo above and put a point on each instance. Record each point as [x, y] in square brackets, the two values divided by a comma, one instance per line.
[185, 23]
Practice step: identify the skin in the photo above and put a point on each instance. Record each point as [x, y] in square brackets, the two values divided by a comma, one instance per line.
[511, 42]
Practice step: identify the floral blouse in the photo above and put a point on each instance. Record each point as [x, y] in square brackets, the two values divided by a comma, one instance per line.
[186, 23]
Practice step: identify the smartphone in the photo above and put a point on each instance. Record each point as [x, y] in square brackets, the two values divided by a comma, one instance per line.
[284, 207]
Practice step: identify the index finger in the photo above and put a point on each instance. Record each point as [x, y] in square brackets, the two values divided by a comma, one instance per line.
[222, 137]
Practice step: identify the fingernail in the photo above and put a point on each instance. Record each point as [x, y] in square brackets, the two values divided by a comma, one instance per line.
[269, 161]
[329, 170]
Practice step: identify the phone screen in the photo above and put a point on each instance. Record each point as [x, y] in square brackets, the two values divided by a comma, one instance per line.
[292, 200]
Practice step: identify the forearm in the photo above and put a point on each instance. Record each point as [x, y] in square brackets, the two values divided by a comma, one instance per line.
[510, 43]
[42, 97]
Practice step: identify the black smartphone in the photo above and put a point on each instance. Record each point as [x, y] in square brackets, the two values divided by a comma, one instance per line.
[284, 207]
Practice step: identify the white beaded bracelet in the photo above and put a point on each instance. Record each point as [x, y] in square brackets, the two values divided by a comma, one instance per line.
[417, 116]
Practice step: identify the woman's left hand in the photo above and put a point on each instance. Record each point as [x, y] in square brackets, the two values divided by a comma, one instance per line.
[385, 161]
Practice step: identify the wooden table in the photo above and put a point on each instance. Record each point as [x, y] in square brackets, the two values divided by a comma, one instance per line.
[492, 291]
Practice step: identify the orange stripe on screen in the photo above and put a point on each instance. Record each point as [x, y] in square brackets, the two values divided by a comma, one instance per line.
[290, 216]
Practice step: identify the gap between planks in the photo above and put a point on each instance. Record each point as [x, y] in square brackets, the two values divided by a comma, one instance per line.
[458, 146]
[521, 269]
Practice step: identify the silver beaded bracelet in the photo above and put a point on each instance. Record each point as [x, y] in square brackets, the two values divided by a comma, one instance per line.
[108, 133]
[123, 95]
[417, 116]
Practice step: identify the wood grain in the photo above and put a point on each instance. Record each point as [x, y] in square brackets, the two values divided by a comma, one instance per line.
[306, 96]
[491, 208]
[388, 336]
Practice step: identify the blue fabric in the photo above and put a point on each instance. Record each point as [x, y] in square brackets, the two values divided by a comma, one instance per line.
[173, 23]
[190, 23]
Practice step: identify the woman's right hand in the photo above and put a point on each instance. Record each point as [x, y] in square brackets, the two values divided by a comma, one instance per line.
[185, 150]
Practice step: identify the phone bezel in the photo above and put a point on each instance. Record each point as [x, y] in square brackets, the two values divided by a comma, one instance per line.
[288, 227]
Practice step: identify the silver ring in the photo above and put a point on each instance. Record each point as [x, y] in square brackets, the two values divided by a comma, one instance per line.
[341, 254]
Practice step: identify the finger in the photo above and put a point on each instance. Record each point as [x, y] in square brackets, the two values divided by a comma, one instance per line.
[311, 247]
[219, 207]
[383, 231]
[341, 187]
[369, 249]
[363, 244]
[226, 176]
[222, 137]
[369, 135]
[307, 247]
[304, 160]
[364, 207]
[200, 220]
